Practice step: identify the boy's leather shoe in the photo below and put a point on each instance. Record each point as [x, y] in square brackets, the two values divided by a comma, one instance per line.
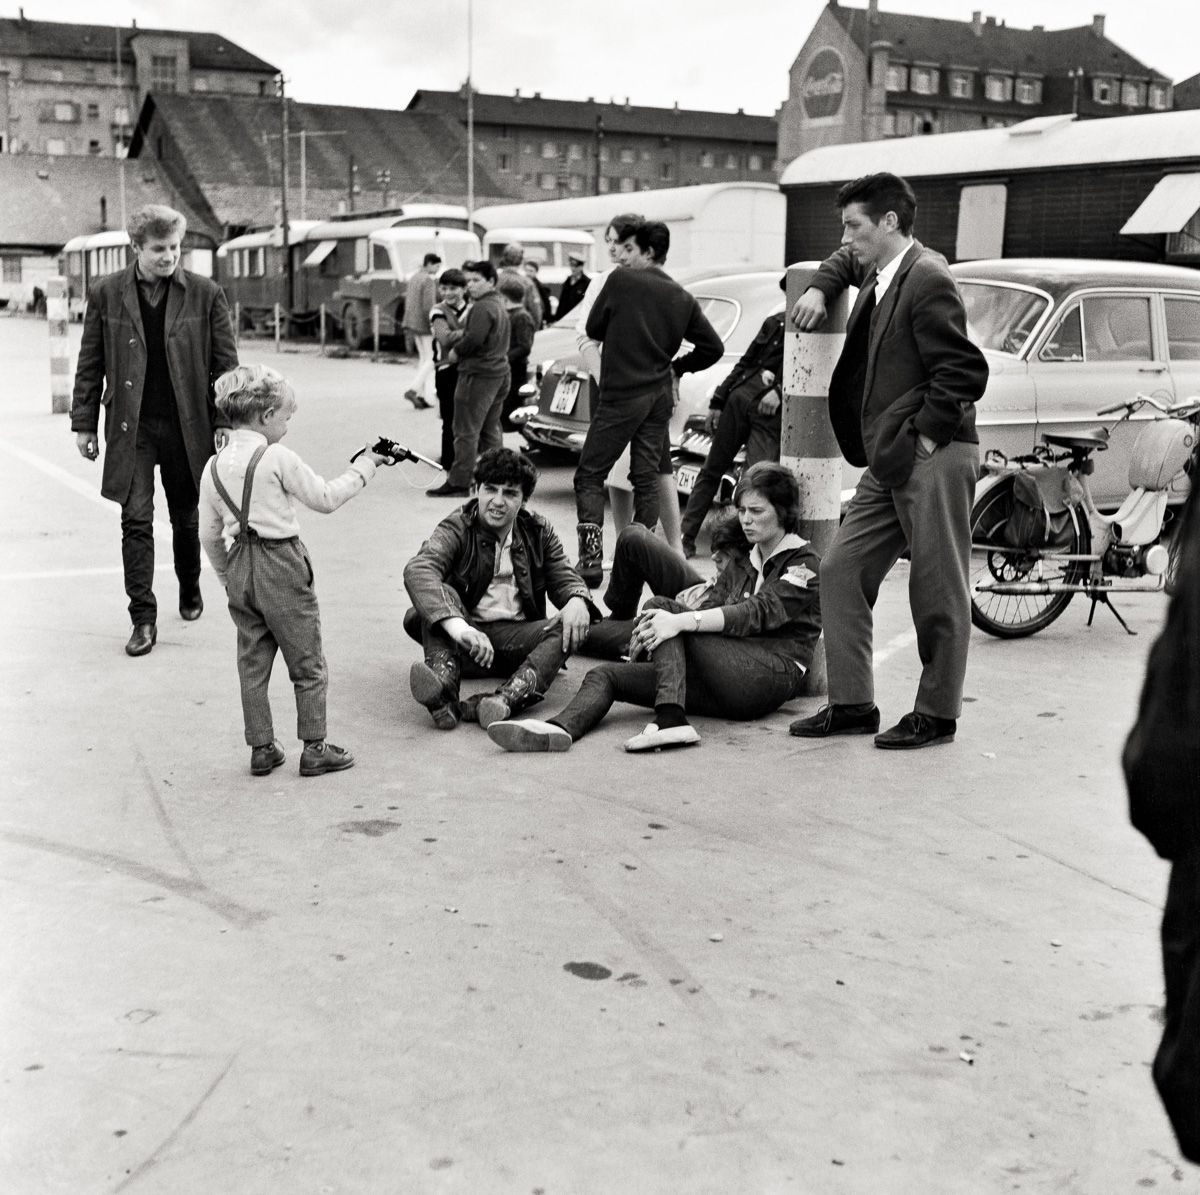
[191, 602]
[144, 637]
[263, 760]
[418, 400]
[917, 730]
[318, 758]
[434, 683]
[835, 719]
[446, 490]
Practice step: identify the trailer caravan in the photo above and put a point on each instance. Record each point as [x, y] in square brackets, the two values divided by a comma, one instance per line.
[714, 224]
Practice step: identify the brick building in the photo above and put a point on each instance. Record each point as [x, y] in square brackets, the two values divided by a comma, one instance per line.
[554, 149]
[77, 89]
[866, 75]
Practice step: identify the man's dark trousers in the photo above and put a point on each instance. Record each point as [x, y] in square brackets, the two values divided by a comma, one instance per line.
[159, 442]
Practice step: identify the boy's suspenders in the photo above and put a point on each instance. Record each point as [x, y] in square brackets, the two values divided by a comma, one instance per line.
[242, 514]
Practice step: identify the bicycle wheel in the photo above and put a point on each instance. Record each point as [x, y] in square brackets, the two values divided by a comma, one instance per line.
[1010, 613]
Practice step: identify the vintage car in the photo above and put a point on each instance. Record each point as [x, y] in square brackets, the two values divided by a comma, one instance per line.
[563, 394]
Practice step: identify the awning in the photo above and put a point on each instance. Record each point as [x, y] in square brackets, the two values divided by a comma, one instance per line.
[1173, 202]
[320, 253]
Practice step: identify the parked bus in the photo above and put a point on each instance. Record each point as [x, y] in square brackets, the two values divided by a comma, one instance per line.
[86, 258]
[323, 254]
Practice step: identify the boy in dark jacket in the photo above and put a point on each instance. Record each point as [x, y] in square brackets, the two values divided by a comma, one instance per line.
[479, 586]
[520, 341]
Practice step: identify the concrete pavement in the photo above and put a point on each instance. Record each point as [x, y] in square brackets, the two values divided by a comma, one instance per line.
[760, 965]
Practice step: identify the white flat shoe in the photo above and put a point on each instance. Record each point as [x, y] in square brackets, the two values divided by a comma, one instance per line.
[653, 739]
[528, 734]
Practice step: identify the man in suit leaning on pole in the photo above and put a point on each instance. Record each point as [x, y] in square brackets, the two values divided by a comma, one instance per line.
[902, 403]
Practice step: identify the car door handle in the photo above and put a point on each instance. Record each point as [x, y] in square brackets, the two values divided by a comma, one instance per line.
[1152, 369]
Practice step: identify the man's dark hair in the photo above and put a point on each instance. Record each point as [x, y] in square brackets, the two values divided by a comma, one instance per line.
[484, 269]
[728, 536]
[503, 466]
[777, 485]
[654, 237]
[432, 259]
[452, 277]
[511, 288]
[626, 224]
[880, 194]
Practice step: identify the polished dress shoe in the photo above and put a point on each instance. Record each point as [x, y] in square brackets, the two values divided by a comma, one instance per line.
[144, 637]
[917, 730]
[446, 490]
[836, 719]
[263, 760]
[318, 758]
[191, 603]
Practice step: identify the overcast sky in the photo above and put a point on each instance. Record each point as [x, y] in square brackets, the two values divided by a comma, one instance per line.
[713, 54]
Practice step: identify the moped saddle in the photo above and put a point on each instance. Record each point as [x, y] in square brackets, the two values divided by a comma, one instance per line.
[1092, 439]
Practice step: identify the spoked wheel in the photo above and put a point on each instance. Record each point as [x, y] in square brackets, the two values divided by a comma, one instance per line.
[1015, 615]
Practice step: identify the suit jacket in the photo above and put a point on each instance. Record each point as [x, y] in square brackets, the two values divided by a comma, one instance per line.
[921, 373]
[111, 372]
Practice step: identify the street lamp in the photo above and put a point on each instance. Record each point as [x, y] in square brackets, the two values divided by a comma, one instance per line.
[1075, 74]
[384, 179]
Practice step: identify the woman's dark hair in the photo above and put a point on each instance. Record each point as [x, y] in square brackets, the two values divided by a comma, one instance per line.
[503, 466]
[626, 224]
[777, 485]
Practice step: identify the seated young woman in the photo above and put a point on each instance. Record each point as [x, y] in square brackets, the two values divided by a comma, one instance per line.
[740, 655]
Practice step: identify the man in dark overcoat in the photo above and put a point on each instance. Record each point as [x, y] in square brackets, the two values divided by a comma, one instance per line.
[155, 338]
[902, 403]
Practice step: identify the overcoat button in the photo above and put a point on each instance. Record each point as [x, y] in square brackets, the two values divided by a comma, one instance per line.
[132, 340]
[124, 426]
[128, 385]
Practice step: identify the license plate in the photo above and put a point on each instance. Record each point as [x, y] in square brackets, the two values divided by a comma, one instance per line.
[565, 394]
[685, 478]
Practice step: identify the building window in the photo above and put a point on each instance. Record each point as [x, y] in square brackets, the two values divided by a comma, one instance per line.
[262, 87]
[94, 147]
[754, 162]
[998, 88]
[1029, 91]
[1103, 91]
[925, 122]
[574, 152]
[666, 171]
[549, 150]
[645, 155]
[628, 154]
[962, 85]
[1133, 95]
[503, 163]
[162, 72]
[731, 161]
[1158, 96]
[603, 153]
[904, 124]
[527, 148]
[12, 269]
[996, 122]
[62, 112]
[199, 83]
[706, 159]
[889, 124]
[896, 78]
[575, 184]
[924, 80]
[56, 146]
[627, 185]
[93, 111]
[602, 185]
[504, 134]
[548, 181]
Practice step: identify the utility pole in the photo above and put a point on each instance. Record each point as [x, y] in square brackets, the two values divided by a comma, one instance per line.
[599, 148]
[289, 284]
[350, 184]
[384, 179]
[470, 114]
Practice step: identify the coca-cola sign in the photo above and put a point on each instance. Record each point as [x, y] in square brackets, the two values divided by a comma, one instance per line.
[824, 84]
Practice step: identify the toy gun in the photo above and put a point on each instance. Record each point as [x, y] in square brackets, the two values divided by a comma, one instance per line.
[395, 453]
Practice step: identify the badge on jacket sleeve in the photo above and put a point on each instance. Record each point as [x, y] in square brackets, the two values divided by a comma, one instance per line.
[798, 575]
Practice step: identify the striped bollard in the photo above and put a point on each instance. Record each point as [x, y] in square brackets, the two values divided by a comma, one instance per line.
[60, 346]
[807, 444]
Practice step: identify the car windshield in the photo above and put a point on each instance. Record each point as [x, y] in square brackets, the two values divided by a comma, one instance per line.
[1001, 318]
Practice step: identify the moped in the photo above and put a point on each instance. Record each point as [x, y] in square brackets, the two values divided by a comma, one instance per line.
[1037, 538]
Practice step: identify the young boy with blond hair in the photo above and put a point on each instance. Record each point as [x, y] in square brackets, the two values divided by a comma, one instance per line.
[253, 543]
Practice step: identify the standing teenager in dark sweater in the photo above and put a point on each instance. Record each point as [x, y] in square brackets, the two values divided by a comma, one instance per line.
[155, 338]
[641, 317]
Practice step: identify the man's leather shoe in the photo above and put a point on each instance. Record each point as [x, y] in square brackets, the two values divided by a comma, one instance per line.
[917, 730]
[264, 759]
[446, 490]
[144, 637]
[191, 603]
[836, 719]
[318, 758]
